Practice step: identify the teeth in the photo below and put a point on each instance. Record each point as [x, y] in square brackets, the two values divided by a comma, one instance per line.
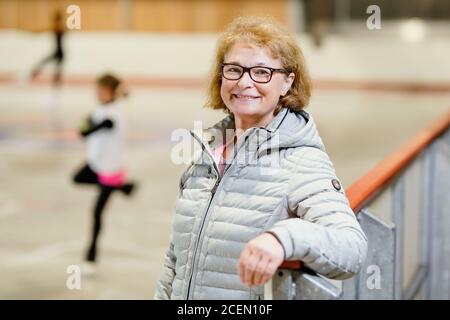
[245, 97]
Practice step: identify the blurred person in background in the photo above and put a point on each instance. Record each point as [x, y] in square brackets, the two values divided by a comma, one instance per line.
[57, 56]
[239, 214]
[104, 132]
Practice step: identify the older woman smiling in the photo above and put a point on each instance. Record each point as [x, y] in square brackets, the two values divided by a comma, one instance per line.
[239, 214]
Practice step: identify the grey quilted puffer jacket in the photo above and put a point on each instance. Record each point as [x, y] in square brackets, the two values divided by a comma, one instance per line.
[297, 197]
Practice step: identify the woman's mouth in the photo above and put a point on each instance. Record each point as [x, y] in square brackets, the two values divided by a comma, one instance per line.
[243, 97]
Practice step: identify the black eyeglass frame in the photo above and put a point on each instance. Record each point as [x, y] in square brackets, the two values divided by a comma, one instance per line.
[244, 70]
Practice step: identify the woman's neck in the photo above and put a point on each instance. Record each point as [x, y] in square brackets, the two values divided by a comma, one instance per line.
[244, 123]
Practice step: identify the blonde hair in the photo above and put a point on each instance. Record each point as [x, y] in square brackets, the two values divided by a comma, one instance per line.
[266, 33]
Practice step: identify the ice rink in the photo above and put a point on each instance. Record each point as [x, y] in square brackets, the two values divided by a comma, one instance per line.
[371, 94]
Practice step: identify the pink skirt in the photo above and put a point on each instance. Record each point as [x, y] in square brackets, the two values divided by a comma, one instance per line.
[116, 179]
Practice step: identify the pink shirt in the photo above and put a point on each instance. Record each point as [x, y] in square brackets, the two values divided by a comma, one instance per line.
[219, 155]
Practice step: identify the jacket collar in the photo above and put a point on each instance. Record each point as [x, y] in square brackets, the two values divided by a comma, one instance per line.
[287, 129]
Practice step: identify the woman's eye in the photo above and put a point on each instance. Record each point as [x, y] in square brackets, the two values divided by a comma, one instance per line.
[261, 72]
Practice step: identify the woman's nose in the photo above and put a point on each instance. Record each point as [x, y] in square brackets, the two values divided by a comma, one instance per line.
[245, 81]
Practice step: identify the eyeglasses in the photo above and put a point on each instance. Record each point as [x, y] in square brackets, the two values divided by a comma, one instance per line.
[258, 74]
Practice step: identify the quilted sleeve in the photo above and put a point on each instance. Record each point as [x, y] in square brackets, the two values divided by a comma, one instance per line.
[324, 234]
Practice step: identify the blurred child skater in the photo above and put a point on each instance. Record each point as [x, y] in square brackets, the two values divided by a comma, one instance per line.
[104, 134]
[57, 56]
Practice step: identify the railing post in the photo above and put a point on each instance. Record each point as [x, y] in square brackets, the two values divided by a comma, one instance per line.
[281, 286]
[439, 247]
[304, 284]
[310, 286]
[427, 217]
[376, 278]
[398, 208]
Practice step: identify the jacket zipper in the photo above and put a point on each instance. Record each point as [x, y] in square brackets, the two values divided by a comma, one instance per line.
[213, 191]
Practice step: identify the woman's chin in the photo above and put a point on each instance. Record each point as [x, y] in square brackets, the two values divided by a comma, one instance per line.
[246, 110]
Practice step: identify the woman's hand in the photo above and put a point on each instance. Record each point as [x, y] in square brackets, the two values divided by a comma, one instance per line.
[260, 259]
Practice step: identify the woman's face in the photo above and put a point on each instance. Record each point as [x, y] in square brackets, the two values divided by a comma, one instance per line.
[246, 98]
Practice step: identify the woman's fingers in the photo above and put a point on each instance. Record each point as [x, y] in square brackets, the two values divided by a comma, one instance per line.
[242, 263]
[260, 259]
[250, 267]
[260, 271]
[256, 269]
[270, 271]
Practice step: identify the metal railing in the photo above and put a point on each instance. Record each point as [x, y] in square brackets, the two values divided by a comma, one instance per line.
[403, 206]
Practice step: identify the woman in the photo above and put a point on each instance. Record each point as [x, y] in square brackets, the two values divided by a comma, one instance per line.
[239, 213]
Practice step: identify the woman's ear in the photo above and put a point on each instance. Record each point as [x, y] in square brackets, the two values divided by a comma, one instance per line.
[289, 80]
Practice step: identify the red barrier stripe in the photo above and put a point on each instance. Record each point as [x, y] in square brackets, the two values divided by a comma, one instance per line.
[319, 84]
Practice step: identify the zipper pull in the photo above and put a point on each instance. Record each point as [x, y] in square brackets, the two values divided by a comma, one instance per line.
[213, 190]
